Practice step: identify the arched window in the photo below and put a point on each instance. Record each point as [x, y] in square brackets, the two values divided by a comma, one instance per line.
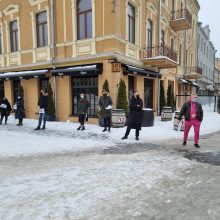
[84, 19]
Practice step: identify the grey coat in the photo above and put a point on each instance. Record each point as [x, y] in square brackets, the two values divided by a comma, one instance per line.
[103, 103]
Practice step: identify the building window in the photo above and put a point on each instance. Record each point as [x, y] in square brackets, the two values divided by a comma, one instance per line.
[84, 19]
[16, 87]
[148, 93]
[1, 43]
[131, 23]
[131, 86]
[173, 5]
[149, 33]
[88, 86]
[180, 55]
[14, 36]
[42, 29]
[172, 44]
[2, 90]
[162, 39]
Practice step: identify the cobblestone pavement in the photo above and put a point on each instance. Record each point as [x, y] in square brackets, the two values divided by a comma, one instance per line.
[155, 181]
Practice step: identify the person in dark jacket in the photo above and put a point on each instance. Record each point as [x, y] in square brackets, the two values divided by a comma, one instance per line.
[83, 106]
[5, 109]
[135, 115]
[42, 103]
[193, 114]
[19, 111]
[105, 104]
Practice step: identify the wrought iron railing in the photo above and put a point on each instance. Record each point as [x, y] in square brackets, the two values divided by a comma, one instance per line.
[181, 14]
[163, 50]
[197, 70]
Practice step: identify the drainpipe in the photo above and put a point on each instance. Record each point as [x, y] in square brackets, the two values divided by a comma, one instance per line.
[159, 37]
[185, 57]
[53, 57]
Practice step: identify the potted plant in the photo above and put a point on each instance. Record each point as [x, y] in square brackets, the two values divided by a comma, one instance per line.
[119, 114]
[105, 87]
[51, 105]
[162, 97]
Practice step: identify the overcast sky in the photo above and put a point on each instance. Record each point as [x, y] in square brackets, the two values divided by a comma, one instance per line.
[210, 14]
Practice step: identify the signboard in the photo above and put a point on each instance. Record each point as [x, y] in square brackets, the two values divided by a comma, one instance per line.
[116, 67]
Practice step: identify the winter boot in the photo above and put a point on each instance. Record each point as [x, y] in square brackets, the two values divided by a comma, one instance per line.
[196, 145]
[137, 138]
[125, 137]
[184, 143]
[37, 129]
[43, 128]
[105, 129]
[79, 128]
[83, 128]
[109, 129]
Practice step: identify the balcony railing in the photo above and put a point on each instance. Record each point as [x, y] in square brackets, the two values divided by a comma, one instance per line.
[158, 51]
[197, 70]
[182, 14]
[181, 20]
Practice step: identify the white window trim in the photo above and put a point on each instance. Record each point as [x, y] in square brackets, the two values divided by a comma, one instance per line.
[35, 2]
[11, 9]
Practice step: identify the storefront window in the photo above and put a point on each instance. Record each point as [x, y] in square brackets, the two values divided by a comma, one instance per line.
[148, 93]
[88, 86]
[44, 83]
[2, 91]
[16, 87]
[130, 86]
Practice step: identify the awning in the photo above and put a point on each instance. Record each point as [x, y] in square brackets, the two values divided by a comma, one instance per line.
[88, 70]
[192, 83]
[183, 81]
[139, 71]
[23, 74]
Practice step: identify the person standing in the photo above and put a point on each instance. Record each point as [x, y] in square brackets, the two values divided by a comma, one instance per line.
[5, 109]
[193, 113]
[105, 104]
[42, 103]
[83, 106]
[135, 115]
[19, 112]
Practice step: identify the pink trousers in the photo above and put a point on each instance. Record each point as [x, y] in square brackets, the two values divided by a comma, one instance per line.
[196, 124]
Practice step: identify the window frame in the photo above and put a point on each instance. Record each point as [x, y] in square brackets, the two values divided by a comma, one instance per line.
[131, 24]
[44, 26]
[14, 37]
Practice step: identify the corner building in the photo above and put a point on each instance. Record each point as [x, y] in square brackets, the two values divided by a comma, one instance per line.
[77, 44]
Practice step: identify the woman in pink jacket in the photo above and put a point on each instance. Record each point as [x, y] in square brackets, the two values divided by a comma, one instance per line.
[193, 113]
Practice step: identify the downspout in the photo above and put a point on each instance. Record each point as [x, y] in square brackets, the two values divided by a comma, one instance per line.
[185, 57]
[159, 36]
[53, 57]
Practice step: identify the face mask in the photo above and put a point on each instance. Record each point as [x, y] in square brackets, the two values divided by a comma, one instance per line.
[195, 99]
[82, 96]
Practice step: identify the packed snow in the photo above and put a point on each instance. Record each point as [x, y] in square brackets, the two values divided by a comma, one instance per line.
[63, 136]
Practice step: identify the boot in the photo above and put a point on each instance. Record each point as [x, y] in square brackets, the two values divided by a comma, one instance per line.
[125, 137]
[137, 138]
[184, 143]
[109, 129]
[43, 128]
[83, 128]
[105, 129]
[37, 129]
[79, 128]
[196, 145]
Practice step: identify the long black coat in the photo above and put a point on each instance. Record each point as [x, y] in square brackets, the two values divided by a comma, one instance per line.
[186, 109]
[103, 103]
[5, 111]
[83, 106]
[19, 113]
[135, 113]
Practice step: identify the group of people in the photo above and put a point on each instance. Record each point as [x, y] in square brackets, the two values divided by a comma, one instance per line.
[191, 110]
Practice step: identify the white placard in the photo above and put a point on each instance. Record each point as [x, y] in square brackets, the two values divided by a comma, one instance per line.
[41, 111]
[108, 107]
[3, 106]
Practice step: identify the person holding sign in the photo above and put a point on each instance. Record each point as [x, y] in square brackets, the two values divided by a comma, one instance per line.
[5, 109]
[42, 103]
[105, 104]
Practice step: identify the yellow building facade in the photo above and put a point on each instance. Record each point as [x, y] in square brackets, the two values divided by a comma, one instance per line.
[77, 44]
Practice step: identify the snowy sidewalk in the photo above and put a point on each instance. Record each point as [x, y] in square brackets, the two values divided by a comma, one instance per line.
[63, 137]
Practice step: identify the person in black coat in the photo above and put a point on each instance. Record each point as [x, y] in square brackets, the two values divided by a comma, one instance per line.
[135, 115]
[19, 111]
[42, 103]
[5, 109]
[83, 106]
[105, 104]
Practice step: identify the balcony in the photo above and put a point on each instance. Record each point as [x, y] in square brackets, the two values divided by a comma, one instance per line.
[181, 20]
[161, 57]
[194, 73]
